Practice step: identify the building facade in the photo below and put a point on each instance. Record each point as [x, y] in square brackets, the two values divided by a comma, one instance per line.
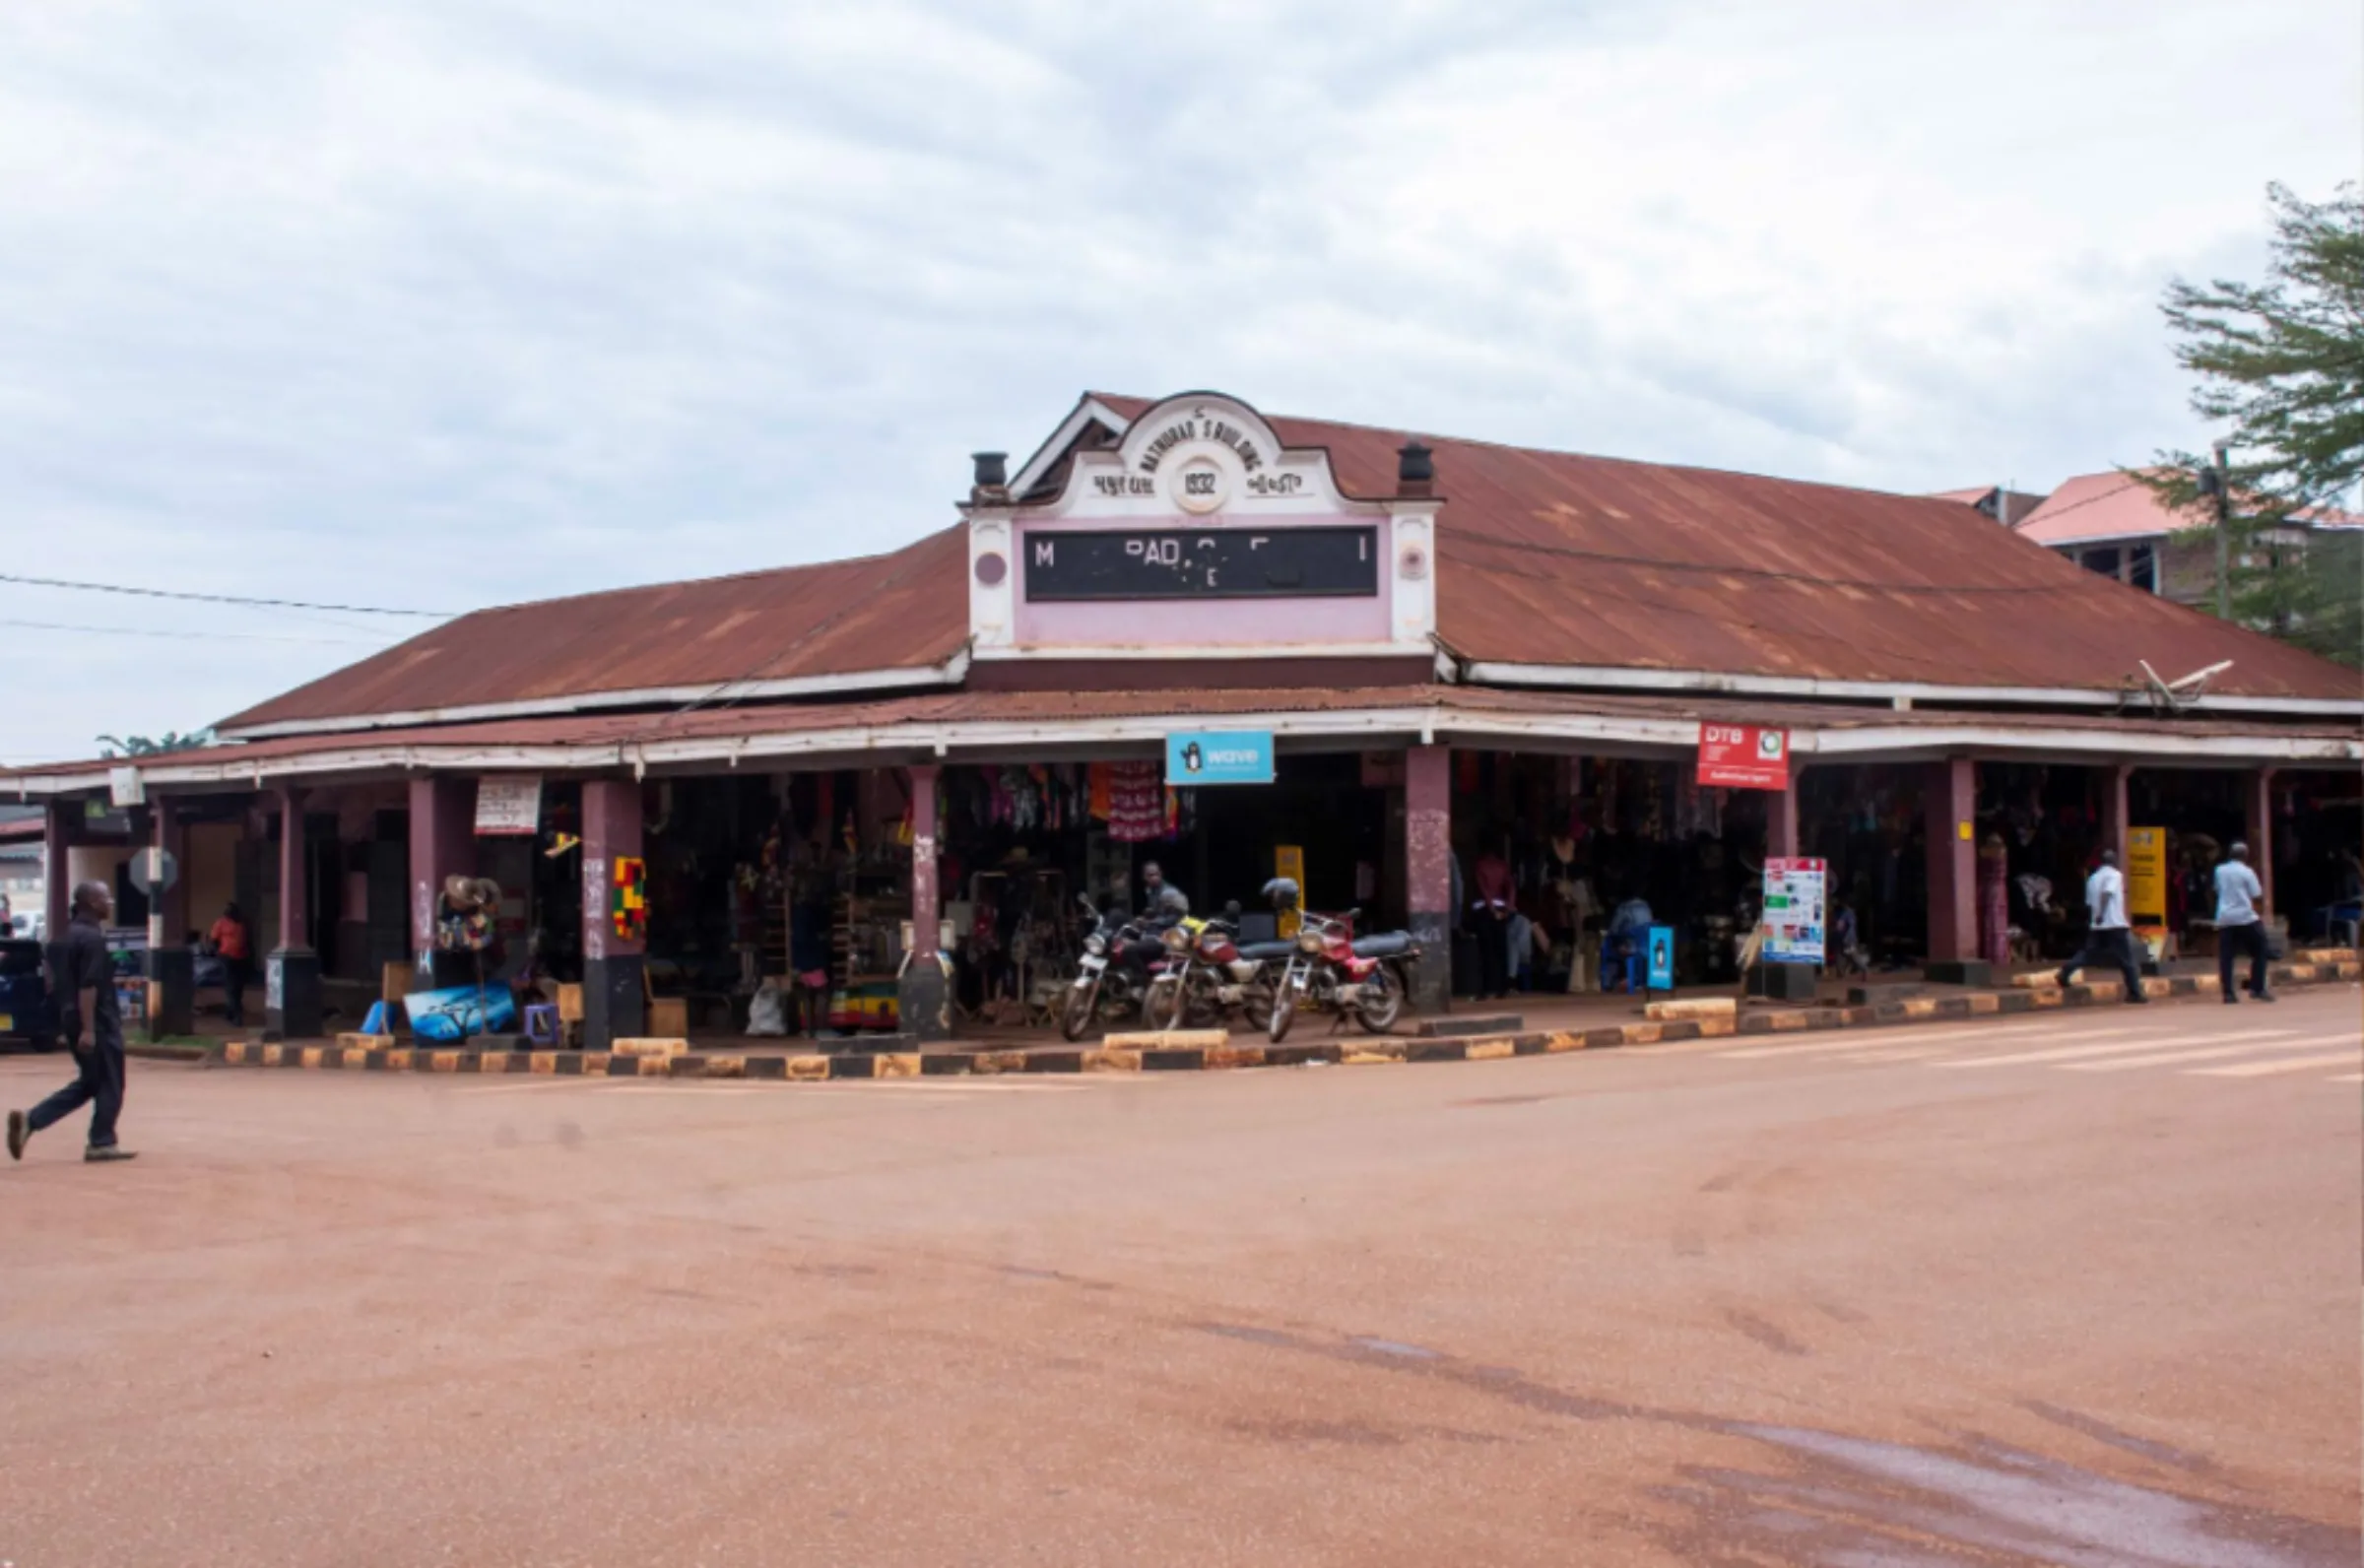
[888, 783]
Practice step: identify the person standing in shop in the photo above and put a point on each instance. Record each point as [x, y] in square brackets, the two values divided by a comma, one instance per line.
[2240, 925]
[1490, 910]
[1163, 903]
[2109, 938]
[91, 1023]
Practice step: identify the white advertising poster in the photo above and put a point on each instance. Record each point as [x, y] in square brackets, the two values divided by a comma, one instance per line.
[508, 807]
[1794, 910]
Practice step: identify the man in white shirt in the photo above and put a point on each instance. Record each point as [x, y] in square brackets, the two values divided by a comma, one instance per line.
[2108, 937]
[2240, 925]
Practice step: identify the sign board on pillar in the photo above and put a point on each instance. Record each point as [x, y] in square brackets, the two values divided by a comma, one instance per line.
[508, 807]
[1793, 909]
[156, 871]
[1744, 756]
[124, 787]
[1219, 756]
[1661, 953]
[2146, 876]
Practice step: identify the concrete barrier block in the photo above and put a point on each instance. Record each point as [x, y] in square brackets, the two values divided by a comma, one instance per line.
[651, 1045]
[1692, 1008]
[1168, 1040]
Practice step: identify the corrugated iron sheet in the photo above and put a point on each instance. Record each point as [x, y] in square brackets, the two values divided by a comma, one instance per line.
[1545, 558]
[909, 609]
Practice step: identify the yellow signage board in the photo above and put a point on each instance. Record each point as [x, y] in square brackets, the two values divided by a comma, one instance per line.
[1289, 860]
[2146, 876]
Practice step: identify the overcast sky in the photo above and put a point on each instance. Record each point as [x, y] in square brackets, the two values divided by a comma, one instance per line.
[463, 301]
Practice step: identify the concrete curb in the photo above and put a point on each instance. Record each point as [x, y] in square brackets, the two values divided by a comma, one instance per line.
[1357, 1051]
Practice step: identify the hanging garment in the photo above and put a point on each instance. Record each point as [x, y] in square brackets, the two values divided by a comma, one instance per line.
[1137, 803]
[1100, 782]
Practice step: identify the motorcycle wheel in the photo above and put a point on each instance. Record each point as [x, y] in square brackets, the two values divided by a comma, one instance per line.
[1083, 1006]
[1176, 1012]
[1284, 1012]
[1379, 1016]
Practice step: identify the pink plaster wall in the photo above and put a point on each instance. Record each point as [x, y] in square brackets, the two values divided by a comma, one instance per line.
[1206, 622]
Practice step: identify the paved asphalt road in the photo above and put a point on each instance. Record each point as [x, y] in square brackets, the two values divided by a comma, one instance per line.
[2081, 1290]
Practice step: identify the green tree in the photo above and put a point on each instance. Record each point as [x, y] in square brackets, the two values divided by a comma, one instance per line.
[2283, 361]
[140, 746]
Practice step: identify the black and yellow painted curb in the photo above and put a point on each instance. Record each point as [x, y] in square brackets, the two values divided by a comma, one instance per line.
[1360, 1051]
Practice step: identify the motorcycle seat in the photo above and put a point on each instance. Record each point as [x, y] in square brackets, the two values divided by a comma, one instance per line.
[1260, 951]
[1385, 945]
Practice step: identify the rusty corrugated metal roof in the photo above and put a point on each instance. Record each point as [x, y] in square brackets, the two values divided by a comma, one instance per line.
[1555, 557]
[909, 609]
[1545, 558]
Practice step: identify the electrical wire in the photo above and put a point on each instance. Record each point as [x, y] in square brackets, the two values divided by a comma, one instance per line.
[186, 636]
[217, 599]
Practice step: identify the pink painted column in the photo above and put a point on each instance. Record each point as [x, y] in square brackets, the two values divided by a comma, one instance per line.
[923, 990]
[1949, 806]
[1781, 820]
[2113, 808]
[2257, 810]
[291, 1000]
[1428, 870]
[614, 1004]
[442, 844]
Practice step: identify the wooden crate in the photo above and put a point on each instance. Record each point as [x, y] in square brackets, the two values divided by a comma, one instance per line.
[669, 1017]
[570, 1004]
[395, 983]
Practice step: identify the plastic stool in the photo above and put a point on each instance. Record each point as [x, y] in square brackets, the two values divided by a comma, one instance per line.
[542, 1023]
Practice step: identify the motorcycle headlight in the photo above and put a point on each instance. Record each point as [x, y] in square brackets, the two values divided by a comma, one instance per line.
[1096, 945]
[1177, 940]
[1307, 942]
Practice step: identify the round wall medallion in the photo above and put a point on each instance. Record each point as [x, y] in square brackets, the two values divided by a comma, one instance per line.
[1200, 486]
[991, 568]
[1413, 564]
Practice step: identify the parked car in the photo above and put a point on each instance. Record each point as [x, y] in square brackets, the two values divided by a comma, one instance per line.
[27, 1012]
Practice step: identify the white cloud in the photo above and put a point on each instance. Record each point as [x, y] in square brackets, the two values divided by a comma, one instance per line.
[481, 299]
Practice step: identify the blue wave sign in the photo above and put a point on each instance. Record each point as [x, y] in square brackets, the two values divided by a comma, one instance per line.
[1219, 756]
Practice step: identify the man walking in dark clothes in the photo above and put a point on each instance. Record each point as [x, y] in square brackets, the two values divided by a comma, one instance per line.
[2108, 937]
[91, 1023]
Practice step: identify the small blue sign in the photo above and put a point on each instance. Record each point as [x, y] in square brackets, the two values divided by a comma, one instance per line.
[1662, 958]
[1219, 756]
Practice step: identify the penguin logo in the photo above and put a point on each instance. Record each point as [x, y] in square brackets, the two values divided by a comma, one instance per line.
[1193, 760]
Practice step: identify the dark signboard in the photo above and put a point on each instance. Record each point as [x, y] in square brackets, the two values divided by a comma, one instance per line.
[1203, 564]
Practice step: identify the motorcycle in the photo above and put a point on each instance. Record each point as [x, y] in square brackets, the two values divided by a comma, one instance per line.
[1209, 972]
[1110, 976]
[1332, 971]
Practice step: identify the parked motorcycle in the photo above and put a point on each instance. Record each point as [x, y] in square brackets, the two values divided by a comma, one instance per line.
[1209, 972]
[1332, 971]
[1111, 975]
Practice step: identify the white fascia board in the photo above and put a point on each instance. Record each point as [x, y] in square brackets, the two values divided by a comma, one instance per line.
[1839, 746]
[950, 673]
[1708, 682]
[1215, 653]
[1673, 737]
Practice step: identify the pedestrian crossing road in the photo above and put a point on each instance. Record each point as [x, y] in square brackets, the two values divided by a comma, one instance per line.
[2312, 1044]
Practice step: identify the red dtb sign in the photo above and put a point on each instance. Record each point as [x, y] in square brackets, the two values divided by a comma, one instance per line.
[1744, 756]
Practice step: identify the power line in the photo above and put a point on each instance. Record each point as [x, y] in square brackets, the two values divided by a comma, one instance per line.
[185, 637]
[218, 598]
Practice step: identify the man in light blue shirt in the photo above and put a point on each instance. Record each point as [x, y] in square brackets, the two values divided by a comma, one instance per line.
[2240, 926]
[2108, 937]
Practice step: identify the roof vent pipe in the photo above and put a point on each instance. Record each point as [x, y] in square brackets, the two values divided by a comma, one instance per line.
[1415, 469]
[992, 479]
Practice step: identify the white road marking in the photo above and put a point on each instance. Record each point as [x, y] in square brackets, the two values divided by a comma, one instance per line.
[2071, 1053]
[2346, 1077]
[2288, 1064]
[2191, 1053]
[1913, 1053]
[1826, 1046]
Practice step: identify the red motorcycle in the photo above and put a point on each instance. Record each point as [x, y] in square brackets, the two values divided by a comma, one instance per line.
[1334, 971]
[1209, 972]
